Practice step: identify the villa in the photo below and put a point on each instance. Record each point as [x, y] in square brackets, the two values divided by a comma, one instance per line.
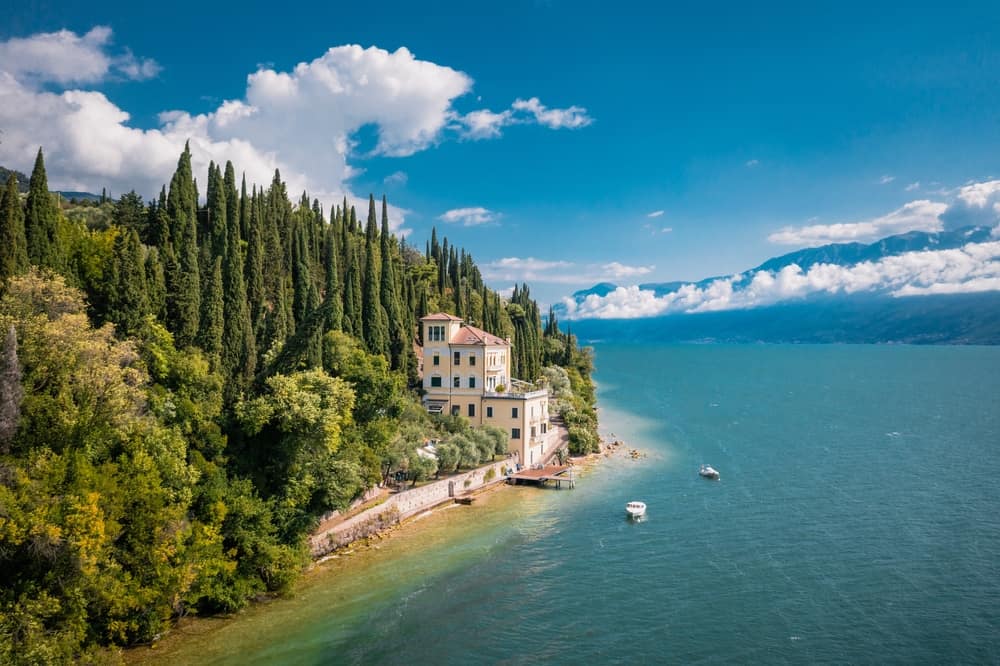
[466, 371]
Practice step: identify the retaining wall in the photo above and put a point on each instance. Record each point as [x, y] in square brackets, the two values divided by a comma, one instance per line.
[402, 505]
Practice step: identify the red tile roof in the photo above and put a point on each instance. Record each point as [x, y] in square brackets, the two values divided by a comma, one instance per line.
[440, 316]
[470, 335]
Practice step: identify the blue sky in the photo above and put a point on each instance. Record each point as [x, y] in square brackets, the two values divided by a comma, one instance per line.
[754, 129]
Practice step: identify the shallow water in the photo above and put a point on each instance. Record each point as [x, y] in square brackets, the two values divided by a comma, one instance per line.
[857, 520]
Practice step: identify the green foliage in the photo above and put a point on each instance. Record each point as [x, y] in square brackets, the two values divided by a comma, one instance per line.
[13, 244]
[255, 377]
[41, 220]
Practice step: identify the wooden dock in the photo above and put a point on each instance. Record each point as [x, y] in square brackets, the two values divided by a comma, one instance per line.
[557, 474]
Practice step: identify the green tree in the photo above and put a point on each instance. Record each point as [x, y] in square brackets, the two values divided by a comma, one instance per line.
[41, 220]
[128, 302]
[184, 289]
[13, 244]
[239, 354]
[213, 311]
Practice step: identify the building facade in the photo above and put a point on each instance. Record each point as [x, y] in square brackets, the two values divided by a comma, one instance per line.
[466, 372]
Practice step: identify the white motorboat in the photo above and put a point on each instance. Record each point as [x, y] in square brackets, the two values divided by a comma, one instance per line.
[635, 509]
[709, 472]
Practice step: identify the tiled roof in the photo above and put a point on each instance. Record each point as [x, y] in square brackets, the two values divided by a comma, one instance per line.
[470, 335]
[440, 316]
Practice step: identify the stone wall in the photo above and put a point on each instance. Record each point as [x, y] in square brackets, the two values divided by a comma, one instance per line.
[402, 505]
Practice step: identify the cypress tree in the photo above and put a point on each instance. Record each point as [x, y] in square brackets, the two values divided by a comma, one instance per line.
[13, 244]
[218, 216]
[41, 220]
[244, 211]
[239, 354]
[232, 205]
[334, 293]
[156, 284]
[376, 326]
[389, 297]
[159, 222]
[353, 321]
[213, 311]
[184, 299]
[128, 302]
[254, 267]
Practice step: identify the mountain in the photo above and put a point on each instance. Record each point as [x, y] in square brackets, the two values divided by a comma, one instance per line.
[22, 180]
[952, 319]
[80, 196]
[865, 316]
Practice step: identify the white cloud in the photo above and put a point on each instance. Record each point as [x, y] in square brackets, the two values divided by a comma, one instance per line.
[912, 186]
[396, 178]
[980, 194]
[530, 269]
[972, 268]
[886, 179]
[486, 124]
[64, 57]
[618, 270]
[920, 215]
[655, 213]
[302, 121]
[573, 117]
[751, 163]
[469, 217]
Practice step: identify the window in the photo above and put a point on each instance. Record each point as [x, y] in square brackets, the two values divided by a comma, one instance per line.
[489, 412]
[457, 382]
[437, 359]
[435, 333]
[472, 359]
[436, 381]
[472, 410]
[455, 410]
[458, 358]
[515, 433]
[513, 412]
[544, 428]
[472, 382]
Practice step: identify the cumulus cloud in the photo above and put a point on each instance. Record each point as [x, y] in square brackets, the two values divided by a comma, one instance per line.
[469, 217]
[972, 268]
[573, 117]
[64, 57]
[303, 121]
[752, 163]
[886, 179]
[655, 213]
[973, 204]
[486, 124]
[920, 215]
[530, 269]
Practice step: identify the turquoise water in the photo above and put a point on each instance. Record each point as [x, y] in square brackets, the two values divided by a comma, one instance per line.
[857, 520]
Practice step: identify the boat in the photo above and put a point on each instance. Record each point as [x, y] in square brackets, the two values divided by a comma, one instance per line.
[635, 509]
[709, 472]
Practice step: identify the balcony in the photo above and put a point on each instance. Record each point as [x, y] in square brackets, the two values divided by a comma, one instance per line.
[518, 390]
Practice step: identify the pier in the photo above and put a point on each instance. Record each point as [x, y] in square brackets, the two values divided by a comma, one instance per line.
[558, 474]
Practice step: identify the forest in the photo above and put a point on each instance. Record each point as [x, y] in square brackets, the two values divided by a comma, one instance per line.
[187, 384]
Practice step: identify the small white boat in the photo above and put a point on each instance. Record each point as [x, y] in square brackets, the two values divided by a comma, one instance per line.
[635, 509]
[709, 472]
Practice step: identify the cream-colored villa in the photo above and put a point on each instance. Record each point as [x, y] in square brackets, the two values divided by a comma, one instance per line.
[466, 371]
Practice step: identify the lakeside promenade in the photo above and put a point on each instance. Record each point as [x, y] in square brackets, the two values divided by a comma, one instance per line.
[402, 505]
